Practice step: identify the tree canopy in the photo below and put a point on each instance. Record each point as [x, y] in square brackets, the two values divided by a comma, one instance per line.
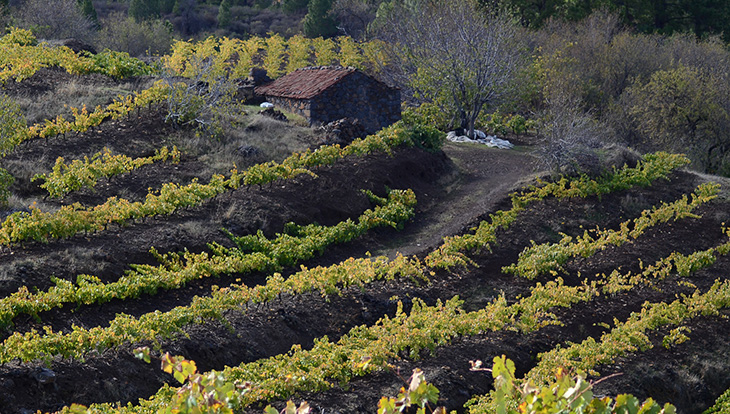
[702, 17]
[451, 55]
[318, 22]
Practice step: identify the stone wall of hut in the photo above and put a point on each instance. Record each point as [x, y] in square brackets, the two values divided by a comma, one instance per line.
[358, 96]
[302, 107]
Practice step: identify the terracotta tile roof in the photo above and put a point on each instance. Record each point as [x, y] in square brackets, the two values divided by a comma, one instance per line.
[305, 83]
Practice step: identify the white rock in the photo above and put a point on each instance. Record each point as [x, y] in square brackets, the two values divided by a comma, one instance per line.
[267, 105]
[482, 138]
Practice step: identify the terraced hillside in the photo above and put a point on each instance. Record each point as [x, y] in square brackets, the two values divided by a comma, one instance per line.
[328, 275]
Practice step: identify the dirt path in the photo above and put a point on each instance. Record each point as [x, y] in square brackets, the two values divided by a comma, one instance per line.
[482, 177]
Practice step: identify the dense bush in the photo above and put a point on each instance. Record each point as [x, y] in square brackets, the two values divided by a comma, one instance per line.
[12, 120]
[124, 34]
[6, 180]
[682, 109]
[421, 132]
[642, 90]
[17, 36]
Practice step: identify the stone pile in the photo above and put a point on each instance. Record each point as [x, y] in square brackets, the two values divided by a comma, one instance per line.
[274, 114]
[342, 131]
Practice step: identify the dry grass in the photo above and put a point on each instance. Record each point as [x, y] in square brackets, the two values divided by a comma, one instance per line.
[17, 203]
[24, 170]
[75, 93]
[251, 139]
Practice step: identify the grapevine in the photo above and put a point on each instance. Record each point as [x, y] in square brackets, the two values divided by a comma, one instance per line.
[653, 167]
[625, 337]
[70, 220]
[257, 253]
[549, 257]
[66, 178]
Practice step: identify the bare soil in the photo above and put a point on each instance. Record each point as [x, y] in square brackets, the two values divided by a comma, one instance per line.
[456, 188]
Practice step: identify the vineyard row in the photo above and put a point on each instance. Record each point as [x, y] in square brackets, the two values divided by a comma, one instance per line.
[72, 219]
[626, 337]
[181, 268]
[65, 178]
[652, 167]
[366, 349]
[21, 57]
[544, 258]
[32, 345]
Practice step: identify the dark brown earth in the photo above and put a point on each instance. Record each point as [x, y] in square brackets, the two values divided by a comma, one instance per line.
[455, 188]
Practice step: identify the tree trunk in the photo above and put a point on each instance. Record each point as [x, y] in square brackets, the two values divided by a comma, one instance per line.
[464, 124]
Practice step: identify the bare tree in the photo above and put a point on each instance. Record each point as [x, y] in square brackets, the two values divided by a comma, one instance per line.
[121, 32]
[570, 139]
[56, 19]
[452, 54]
[203, 100]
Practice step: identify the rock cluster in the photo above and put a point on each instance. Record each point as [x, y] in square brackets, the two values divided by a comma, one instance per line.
[274, 114]
[342, 131]
[245, 93]
[247, 151]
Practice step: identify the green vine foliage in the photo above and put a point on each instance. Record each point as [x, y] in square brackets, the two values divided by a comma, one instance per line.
[566, 394]
[6, 180]
[722, 404]
[211, 394]
[453, 251]
[545, 258]
[368, 349]
[11, 121]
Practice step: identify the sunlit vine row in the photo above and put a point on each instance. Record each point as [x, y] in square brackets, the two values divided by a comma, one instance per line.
[558, 295]
[21, 57]
[177, 269]
[69, 220]
[652, 167]
[365, 349]
[82, 341]
[544, 258]
[83, 120]
[211, 393]
[33, 345]
[721, 406]
[681, 264]
[156, 326]
[65, 178]
[233, 58]
[362, 350]
[626, 337]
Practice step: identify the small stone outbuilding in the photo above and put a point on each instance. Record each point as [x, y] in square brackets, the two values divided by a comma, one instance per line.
[323, 94]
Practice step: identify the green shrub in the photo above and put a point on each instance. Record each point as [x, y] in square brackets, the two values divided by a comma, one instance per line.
[422, 133]
[493, 123]
[120, 65]
[429, 114]
[497, 123]
[684, 109]
[12, 121]
[517, 123]
[6, 180]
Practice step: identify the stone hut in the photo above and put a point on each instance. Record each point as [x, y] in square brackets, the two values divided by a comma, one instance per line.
[324, 94]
